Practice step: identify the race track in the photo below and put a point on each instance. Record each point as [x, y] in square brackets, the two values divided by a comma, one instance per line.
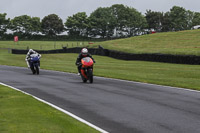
[113, 105]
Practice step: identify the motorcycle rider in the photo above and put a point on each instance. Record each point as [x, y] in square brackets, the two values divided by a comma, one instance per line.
[84, 53]
[27, 59]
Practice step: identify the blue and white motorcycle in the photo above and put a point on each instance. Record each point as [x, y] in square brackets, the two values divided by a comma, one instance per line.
[35, 63]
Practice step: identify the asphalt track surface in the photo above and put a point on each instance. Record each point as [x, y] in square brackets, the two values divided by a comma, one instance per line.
[114, 105]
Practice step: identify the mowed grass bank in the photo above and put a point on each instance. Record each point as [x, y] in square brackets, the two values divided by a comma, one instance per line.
[42, 45]
[177, 43]
[20, 113]
[178, 75]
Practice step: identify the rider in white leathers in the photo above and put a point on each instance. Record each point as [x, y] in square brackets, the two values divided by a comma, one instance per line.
[27, 59]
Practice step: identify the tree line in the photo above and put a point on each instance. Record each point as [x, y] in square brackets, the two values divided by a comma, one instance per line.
[105, 22]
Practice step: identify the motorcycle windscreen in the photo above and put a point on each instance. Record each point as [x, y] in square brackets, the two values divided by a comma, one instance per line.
[34, 57]
[87, 61]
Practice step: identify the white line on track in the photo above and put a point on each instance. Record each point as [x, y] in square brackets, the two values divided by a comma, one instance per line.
[58, 108]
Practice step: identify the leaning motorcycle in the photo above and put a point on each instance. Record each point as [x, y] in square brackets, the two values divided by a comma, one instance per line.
[34, 63]
[87, 69]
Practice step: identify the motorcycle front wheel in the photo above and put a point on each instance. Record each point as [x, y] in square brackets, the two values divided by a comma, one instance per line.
[37, 69]
[91, 79]
[90, 75]
[83, 78]
[33, 70]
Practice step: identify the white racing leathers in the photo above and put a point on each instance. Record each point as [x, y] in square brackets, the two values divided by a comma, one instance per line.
[27, 59]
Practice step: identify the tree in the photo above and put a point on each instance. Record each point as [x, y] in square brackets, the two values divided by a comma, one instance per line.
[52, 25]
[102, 22]
[154, 20]
[3, 24]
[36, 25]
[189, 19]
[166, 24]
[128, 20]
[21, 24]
[118, 19]
[178, 18]
[77, 24]
[136, 22]
[121, 16]
[25, 25]
[196, 19]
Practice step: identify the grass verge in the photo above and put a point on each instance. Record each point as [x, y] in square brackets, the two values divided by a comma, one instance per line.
[22, 113]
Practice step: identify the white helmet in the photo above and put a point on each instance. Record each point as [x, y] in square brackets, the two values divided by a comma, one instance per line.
[84, 51]
[31, 51]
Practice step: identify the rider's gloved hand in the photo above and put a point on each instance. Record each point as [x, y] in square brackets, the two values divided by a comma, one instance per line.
[78, 63]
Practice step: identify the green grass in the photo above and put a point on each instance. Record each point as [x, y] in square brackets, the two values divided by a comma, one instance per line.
[182, 43]
[42, 45]
[177, 43]
[20, 113]
[178, 75]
